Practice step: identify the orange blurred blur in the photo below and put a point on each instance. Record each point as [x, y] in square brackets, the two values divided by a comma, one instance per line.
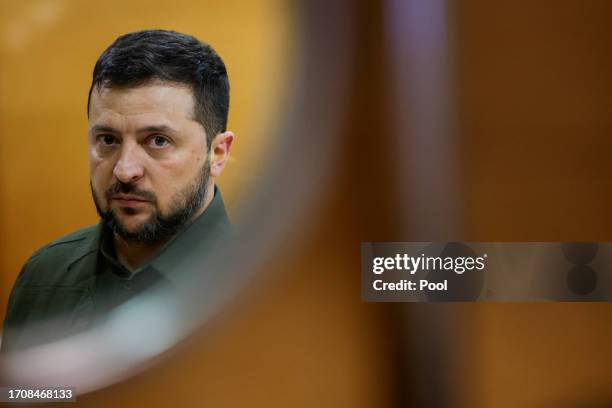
[530, 127]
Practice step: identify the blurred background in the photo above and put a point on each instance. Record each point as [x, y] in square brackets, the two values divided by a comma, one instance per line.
[471, 121]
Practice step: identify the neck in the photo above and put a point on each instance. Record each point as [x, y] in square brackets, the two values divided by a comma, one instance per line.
[134, 255]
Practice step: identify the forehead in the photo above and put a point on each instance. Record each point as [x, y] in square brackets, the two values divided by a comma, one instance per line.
[155, 100]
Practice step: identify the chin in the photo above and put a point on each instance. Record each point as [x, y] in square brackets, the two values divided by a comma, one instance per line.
[133, 223]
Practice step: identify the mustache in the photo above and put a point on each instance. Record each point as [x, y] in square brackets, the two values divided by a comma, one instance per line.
[129, 188]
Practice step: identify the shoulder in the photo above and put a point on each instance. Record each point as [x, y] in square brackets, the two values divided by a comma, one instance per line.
[48, 263]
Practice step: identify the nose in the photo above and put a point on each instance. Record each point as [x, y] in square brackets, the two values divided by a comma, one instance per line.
[129, 167]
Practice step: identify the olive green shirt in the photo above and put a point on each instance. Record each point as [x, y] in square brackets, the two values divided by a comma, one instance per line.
[66, 285]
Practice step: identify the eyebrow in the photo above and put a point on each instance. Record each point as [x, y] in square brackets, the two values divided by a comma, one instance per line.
[157, 128]
[102, 128]
[146, 129]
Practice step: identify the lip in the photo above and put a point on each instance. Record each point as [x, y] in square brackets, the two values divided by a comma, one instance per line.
[127, 200]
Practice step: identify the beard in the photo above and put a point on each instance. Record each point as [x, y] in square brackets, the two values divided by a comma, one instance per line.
[159, 227]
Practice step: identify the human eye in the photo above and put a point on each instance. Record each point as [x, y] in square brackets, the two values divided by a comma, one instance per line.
[107, 140]
[158, 141]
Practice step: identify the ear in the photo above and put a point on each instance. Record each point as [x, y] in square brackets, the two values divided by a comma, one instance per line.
[219, 152]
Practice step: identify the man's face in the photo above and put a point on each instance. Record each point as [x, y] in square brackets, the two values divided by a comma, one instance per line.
[147, 155]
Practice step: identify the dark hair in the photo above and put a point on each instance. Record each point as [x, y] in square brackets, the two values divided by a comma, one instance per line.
[139, 57]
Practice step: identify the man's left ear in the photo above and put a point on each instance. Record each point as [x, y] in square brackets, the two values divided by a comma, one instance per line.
[219, 152]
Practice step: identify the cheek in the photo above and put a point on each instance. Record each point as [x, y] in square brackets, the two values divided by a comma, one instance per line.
[169, 183]
[172, 179]
[100, 172]
[100, 160]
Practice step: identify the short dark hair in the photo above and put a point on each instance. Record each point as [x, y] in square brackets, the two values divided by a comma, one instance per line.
[139, 57]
